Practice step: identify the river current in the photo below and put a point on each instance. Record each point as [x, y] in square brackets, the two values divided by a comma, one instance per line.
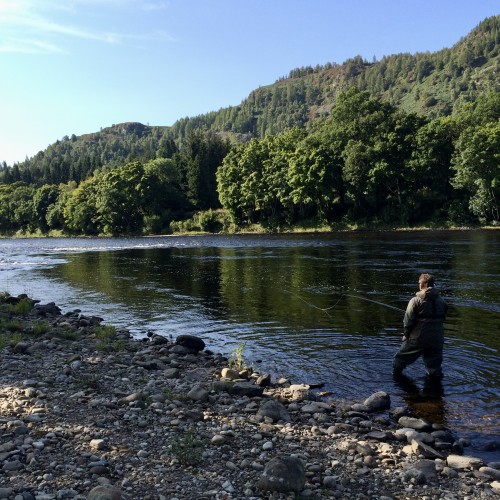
[315, 308]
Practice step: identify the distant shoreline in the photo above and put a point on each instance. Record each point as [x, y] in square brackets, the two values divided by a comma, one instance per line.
[258, 232]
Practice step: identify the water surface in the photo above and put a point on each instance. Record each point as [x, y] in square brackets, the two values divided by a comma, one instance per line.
[313, 308]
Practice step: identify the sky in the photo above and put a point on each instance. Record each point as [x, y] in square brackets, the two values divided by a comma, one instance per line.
[76, 66]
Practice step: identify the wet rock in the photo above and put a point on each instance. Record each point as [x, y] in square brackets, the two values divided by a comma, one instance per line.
[49, 309]
[283, 474]
[190, 342]
[415, 423]
[378, 401]
[263, 380]
[490, 472]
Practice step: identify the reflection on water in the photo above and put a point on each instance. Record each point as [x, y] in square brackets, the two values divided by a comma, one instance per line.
[314, 308]
[426, 401]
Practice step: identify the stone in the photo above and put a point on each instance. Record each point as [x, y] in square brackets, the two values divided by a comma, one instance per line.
[107, 493]
[198, 393]
[275, 410]
[230, 374]
[246, 389]
[98, 444]
[428, 469]
[171, 373]
[190, 342]
[283, 474]
[378, 401]
[464, 462]
[378, 435]
[299, 392]
[263, 380]
[420, 448]
[330, 482]
[364, 449]
[490, 472]
[415, 423]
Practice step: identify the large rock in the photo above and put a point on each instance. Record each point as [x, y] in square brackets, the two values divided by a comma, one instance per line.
[415, 423]
[275, 410]
[420, 448]
[49, 309]
[190, 342]
[283, 474]
[198, 393]
[464, 462]
[378, 401]
[246, 389]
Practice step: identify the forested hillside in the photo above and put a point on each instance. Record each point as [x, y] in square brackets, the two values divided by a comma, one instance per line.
[401, 141]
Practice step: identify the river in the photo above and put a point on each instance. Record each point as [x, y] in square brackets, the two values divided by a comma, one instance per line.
[316, 308]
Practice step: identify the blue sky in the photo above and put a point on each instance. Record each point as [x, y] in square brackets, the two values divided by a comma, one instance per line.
[76, 66]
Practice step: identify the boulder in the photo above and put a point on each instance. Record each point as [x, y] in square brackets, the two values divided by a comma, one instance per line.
[275, 410]
[378, 401]
[190, 342]
[464, 462]
[283, 474]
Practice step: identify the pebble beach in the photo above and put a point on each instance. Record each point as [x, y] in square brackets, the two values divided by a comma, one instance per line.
[89, 412]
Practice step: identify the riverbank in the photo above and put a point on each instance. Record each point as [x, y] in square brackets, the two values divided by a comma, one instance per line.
[259, 229]
[87, 412]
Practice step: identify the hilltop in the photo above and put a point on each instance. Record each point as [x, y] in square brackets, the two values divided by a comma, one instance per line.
[430, 84]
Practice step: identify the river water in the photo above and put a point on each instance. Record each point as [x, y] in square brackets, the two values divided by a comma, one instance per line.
[314, 308]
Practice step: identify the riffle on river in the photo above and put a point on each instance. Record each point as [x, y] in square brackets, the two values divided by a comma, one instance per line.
[314, 308]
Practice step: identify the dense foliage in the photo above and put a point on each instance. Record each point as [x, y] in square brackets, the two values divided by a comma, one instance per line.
[371, 163]
[133, 198]
[407, 140]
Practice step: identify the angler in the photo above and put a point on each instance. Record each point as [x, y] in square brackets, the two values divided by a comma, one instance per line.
[423, 330]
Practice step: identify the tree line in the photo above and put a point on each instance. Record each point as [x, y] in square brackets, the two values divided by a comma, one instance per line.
[369, 163]
[138, 197]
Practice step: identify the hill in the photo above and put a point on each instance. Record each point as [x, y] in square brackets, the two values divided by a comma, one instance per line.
[431, 84]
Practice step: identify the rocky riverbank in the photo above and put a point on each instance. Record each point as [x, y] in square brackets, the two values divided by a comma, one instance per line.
[87, 412]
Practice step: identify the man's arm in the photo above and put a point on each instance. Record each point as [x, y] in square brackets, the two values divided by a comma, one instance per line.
[410, 318]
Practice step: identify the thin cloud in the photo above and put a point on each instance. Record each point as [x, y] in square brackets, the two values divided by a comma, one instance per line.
[24, 15]
[26, 46]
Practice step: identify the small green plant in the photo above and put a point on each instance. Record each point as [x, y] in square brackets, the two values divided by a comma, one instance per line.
[15, 338]
[3, 341]
[23, 307]
[12, 325]
[67, 333]
[174, 396]
[187, 449]
[236, 360]
[41, 327]
[106, 336]
[88, 381]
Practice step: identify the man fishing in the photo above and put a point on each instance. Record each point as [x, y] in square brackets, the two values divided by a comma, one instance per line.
[423, 330]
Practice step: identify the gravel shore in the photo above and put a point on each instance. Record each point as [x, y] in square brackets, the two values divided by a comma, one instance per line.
[87, 412]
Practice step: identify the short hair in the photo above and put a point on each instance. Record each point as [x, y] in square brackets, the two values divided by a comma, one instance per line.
[427, 279]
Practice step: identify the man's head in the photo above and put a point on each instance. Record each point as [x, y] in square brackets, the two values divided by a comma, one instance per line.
[426, 280]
